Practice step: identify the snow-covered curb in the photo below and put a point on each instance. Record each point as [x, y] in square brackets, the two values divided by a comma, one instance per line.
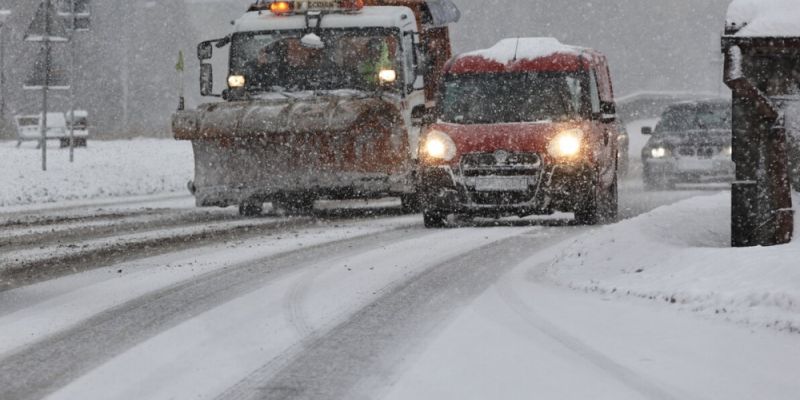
[102, 170]
[680, 255]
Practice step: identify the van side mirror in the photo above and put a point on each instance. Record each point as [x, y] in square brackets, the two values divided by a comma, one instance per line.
[647, 131]
[608, 112]
[205, 51]
[206, 79]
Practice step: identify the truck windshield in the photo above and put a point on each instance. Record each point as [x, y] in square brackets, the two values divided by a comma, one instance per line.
[681, 119]
[509, 98]
[350, 59]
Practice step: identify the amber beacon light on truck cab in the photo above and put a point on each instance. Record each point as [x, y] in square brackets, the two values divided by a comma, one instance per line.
[525, 127]
[323, 99]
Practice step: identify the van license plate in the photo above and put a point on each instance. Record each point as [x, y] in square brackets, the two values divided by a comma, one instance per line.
[501, 184]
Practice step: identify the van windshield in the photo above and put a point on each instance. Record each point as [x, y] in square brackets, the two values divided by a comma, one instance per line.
[510, 98]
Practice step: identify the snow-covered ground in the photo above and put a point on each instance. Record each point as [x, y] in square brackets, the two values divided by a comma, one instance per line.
[681, 255]
[609, 315]
[655, 306]
[104, 169]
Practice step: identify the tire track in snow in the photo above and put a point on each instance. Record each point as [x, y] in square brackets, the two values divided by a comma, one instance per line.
[35, 265]
[360, 356]
[294, 303]
[102, 225]
[604, 364]
[47, 365]
[45, 211]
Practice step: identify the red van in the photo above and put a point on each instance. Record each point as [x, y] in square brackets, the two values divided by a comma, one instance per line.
[526, 127]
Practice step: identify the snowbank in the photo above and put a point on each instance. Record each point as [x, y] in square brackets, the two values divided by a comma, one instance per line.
[104, 169]
[759, 18]
[680, 254]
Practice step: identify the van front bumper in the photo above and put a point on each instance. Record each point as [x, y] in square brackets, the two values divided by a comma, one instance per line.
[552, 188]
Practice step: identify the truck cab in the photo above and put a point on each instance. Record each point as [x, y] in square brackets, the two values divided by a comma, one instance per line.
[324, 99]
[525, 127]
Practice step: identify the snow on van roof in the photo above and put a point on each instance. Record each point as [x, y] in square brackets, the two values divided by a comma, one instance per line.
[512, 49]
[764, 18]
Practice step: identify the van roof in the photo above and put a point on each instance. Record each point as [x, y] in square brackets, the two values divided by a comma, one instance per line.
[523, 55]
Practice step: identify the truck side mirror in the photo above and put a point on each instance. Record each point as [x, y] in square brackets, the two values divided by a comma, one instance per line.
[647, 131]
[206, 79]
[205, 51]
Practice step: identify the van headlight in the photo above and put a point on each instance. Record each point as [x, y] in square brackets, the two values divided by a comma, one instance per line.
[566, 144]
[438, 145]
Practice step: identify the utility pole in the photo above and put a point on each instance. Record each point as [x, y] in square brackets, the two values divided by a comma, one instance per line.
[4, 14]
[72, 82]
[46, 86]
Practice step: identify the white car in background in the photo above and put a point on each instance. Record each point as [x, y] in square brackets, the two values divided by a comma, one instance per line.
[29, 128]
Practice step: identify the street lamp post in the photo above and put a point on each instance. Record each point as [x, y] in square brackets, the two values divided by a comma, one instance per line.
[4, 14]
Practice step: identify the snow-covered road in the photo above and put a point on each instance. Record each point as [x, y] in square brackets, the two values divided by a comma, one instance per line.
[149, 298]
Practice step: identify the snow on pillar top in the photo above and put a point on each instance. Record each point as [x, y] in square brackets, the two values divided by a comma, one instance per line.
[763, 18]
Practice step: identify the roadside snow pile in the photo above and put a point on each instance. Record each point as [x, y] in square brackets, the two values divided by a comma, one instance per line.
[104, 169]
[759, 18]
[680, 254]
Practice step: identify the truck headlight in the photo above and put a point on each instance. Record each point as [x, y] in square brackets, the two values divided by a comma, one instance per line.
[236, 81]
[659, 152]
[728, 151]
[566, 144]
[387, 76]
[438, 146]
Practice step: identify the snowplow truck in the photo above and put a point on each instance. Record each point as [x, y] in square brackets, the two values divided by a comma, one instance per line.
[325, 99]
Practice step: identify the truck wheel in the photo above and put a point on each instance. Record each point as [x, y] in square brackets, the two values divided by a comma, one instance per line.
[410, 203]
[295, 205]
[250, 208]
[434, 219]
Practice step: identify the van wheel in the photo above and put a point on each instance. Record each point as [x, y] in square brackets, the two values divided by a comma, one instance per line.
[612, 203]
[588, 212]
[589, 209]
[434, 219]
[250, 208]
